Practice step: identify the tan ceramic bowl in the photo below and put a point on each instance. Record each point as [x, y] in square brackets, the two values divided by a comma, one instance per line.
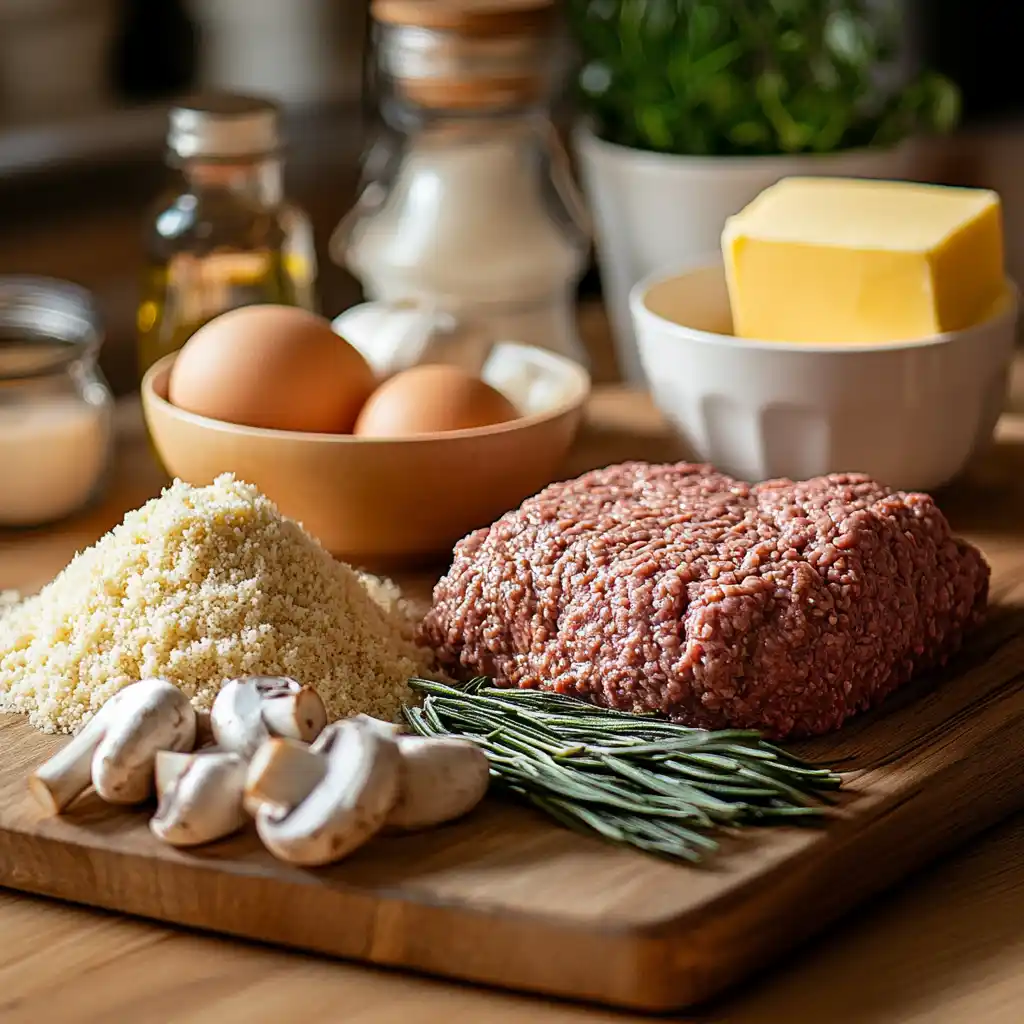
[379, 502]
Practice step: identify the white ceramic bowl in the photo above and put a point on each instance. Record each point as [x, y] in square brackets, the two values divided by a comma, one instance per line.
[910, 414]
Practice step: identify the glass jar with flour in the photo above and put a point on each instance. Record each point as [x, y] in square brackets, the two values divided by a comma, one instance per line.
[55, 407]
[468, 205]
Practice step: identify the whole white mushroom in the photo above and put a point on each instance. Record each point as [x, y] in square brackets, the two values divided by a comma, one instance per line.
[116, 750]
[249, 710]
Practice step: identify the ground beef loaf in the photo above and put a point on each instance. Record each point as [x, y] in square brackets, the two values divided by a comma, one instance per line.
[785, 607]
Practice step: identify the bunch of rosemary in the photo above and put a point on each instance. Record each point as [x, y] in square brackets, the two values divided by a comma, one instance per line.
[633, 779]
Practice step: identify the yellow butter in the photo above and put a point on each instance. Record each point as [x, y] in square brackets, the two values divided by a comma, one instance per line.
[858, 261]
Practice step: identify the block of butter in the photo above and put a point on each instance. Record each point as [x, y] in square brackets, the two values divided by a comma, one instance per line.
[858, 261]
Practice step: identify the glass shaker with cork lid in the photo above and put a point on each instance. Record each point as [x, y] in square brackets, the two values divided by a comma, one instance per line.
[468, 206]
[225, 236]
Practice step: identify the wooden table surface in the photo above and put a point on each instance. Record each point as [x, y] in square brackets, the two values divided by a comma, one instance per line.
[948, 946]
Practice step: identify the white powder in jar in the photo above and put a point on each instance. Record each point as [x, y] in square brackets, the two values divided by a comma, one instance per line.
[52, 455]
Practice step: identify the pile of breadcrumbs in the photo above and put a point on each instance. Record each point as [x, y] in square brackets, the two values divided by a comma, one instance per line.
[199, 586]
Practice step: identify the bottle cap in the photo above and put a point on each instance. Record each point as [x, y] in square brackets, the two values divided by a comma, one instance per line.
[468, 17]
[466, 54]
[222, 126]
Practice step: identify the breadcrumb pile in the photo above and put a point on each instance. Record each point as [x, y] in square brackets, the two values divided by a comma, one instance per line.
[199, 586]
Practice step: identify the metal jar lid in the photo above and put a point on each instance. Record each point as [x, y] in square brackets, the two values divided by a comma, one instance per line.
[45, 325]
[223, 126]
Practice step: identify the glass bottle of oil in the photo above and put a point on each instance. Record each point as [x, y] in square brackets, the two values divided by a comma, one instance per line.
[224, 236]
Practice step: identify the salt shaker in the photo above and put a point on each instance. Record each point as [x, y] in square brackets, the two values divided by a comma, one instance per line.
[468, 205]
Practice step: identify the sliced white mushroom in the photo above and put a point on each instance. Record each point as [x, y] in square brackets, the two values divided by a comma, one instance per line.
[346, 808]
[116, 749]
[282, 773]
[250, 710]
[204, 802]
[441, 780]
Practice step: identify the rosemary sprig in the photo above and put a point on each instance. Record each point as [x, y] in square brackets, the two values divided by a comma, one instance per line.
[632, 779]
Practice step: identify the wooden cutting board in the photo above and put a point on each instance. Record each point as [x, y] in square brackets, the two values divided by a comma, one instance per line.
[507, 898]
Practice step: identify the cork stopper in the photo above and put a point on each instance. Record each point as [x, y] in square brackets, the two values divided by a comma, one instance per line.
[466, 54]
[468, 17]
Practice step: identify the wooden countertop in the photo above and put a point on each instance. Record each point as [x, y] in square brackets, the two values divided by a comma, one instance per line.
[946, 947]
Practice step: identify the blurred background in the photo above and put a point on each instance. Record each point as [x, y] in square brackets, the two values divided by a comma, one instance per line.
[85, 87]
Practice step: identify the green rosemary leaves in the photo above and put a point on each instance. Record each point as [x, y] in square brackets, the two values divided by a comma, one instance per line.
[632, 779]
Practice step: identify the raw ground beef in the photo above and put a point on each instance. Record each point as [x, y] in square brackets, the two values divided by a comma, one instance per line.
[785, 607]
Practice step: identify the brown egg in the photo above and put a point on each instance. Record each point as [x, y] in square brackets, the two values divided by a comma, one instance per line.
[272, 366]
[430, 399]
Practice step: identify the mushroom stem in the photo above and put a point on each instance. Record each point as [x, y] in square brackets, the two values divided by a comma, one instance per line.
[204, 803]
[298, 716]
[67, 774]
[348, 807]
[282, 773]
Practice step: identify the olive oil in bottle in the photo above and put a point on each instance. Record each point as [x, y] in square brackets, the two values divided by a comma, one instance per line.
[224, 236]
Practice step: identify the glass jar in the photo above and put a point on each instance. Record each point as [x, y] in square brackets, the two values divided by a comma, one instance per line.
[225, 236]
[56, 410]
[468, 204]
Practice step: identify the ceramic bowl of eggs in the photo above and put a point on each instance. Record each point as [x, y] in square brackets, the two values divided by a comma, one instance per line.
[382, 468]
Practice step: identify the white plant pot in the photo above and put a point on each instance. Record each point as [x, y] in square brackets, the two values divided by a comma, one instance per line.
[54, 58]
[653, 211]
[295, 51]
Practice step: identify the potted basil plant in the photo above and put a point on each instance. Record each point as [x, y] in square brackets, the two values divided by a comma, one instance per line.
[692, 107]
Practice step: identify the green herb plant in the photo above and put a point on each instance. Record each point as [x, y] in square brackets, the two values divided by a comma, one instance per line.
[632, 779]
[751, 77]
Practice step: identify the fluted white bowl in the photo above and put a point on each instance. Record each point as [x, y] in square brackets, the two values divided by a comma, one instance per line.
[910, 414]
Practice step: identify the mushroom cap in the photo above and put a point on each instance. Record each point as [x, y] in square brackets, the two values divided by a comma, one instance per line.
[442, 778]
[150, 716]
[387, 728]
[236, 717]
[204, 803]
